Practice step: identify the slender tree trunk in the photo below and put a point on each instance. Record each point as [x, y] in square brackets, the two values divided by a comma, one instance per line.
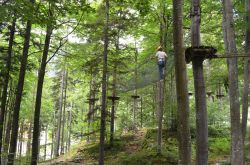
[104, 85]
[46, 141]
[7, 132]
[163, 25]
[112, 122]
[135, 103]
[200, 93]
[64, 110]
[6, 82]
[246, 73]
[236, 129]
[28, 151]
[7, 121]
[160, 102]
[19, 92]
[41, 74]
[21, 142]
[69, 129]
[112, 119]
[160, 115]
[8, 127]
[8, 104]
[91, 106]
[58, 132]
[53, 151]
[181, 86]
[141, 113]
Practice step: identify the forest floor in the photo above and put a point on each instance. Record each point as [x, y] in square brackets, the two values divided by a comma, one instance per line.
[139, 148]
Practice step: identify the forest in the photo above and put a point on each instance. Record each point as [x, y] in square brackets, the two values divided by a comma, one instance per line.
[124, 82]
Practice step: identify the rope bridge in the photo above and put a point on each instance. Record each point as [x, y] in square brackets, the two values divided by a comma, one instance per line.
[147, 74]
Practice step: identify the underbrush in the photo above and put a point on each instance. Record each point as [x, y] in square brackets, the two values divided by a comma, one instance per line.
[132, 149]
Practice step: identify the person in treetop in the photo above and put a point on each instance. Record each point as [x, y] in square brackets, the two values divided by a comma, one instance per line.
[161, 61]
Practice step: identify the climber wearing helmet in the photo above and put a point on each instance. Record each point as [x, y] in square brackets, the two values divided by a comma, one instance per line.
[161, 60]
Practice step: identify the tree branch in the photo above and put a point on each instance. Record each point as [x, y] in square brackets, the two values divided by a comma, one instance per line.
[57, 49]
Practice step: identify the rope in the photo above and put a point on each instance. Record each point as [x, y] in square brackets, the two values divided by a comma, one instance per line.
[230, 56]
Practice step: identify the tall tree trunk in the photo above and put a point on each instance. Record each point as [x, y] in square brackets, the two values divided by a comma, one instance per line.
[135, 98]
[246, 73]
[58, 132]
[46, 141]
[69, 128]
[181, 86]
[236, 129]
[6, 82]
[53, 151]
[21, 141]
[9, 122]
[104, 85]
[64, 111]
[112, 119]
[160, 115]
[19, 92]
[91, 105]
[141, 113]
[163, 25]
[200, 93]
[160, 102]
[41, 74]
[29, 141]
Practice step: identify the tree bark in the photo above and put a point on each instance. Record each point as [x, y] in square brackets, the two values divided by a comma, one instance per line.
[19, 92]
[58, 132]
[135, 101]
[53, 135]
[236, 129]
[64, 110]
[104, 85]
[112, 119]
[181, 86]
[46, 141]
[160, 116]
[200, 92]
[29, 141]
[69, 129]
[41, 74]
[21, 141]
[246, 73]
[163, 25]
[9, 122]
[6, 83]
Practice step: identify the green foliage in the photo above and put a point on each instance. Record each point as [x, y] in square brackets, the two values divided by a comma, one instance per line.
[122, 153]
[134, 25]
[217, 132]
[149, 158]
[219, 146]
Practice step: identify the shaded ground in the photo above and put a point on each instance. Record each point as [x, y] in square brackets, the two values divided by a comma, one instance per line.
[139, 148]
